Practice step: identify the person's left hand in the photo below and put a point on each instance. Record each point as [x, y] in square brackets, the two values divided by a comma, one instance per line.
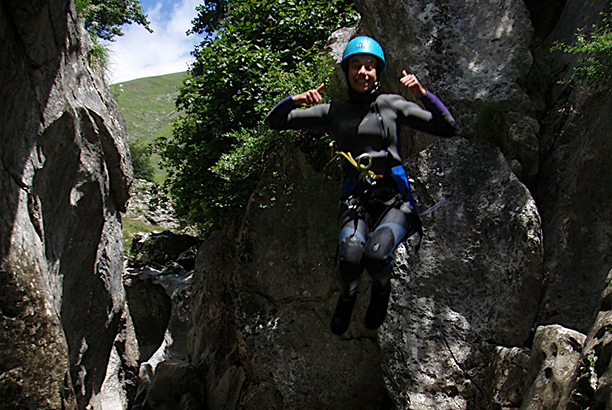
[412, 83]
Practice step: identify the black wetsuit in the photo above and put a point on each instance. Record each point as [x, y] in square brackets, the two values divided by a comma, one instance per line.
[374, 218]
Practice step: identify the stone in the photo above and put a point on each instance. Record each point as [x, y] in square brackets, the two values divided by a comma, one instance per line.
[573, 191]
[473, 284]
[150, 309]
[263, 298]
[593, 379]
[470, 55]
[65, 174]
[157, 249]
[158, 284]
[555, 357]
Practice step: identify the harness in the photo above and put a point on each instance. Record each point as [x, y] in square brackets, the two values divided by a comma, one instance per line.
[362, 164]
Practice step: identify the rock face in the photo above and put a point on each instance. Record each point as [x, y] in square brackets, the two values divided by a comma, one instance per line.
[574, 186]
[493, 311]
[473, 286]
[505, 306]
[262, 306]
[473, 55]
[64, 179]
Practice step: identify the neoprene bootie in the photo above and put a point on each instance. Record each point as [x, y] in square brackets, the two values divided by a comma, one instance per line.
[341, 318]
[377, 310]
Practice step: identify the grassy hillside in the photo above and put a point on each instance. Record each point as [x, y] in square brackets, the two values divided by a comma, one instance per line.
[148, 107]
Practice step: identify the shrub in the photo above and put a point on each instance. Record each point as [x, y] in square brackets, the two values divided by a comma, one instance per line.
[256, 53]
[141, 160]
[595, 47]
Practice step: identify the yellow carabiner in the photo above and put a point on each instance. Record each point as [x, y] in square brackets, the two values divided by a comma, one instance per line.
[363, 163]
[367, 165]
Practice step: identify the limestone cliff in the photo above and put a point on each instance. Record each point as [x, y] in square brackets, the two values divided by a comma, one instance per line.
[494, 310]
[505, 305]
[64, 176]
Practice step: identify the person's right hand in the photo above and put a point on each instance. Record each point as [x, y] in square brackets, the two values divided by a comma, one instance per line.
[310, 97]
[412, 83]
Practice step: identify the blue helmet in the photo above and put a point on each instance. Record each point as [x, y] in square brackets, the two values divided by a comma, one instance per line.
[363, 45]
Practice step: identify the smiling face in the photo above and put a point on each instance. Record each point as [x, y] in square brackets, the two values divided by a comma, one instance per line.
[362, 72]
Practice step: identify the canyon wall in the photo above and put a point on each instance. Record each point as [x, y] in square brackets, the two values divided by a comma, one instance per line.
[64, 178]
[505, 306]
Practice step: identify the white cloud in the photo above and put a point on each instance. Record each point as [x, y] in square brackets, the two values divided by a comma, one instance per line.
[167, 50]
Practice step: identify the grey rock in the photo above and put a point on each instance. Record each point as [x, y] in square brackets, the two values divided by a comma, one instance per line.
[592, 387]
[263, 297]
[65, 175]
[150, 309]
[158, 284]
[157, 249]
[554, 360]
[470, 55]
[474, 283]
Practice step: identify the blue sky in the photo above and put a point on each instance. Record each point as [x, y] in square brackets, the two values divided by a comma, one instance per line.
[140, 54]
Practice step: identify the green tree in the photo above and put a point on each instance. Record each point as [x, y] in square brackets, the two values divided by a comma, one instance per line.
[141, 160]
[104, 18]
[256, 52]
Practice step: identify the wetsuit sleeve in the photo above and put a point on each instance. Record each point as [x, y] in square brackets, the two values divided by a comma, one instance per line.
[284, 116]
[436, 119]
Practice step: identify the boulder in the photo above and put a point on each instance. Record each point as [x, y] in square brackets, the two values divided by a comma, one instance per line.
[65, 175]
[157, 249]
[592, 387]
[473, 286]
[263, 298]
[555, 357]
[472, 55]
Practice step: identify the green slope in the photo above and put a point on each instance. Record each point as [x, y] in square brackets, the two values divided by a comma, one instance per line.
[147, 104]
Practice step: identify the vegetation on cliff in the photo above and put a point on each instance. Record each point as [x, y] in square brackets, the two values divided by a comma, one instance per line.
[103, 20]
[256, 53]
[595, 48]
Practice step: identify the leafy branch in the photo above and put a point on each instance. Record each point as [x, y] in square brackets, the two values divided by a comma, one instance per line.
[595, 47]
[256, 52]
[104, 18]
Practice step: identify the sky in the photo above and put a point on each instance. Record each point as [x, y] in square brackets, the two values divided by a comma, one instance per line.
[139, 54]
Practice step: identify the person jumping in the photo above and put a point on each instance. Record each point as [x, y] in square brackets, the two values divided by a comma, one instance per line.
[377, 211]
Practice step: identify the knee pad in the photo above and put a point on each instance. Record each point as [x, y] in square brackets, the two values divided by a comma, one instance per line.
[378, 253]
[381, 244]
[379, 269]
[350, 251]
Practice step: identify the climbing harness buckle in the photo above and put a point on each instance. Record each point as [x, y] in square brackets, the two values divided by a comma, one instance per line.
[362, 163]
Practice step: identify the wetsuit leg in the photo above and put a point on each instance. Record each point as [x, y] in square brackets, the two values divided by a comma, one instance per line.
[378, 260]
[378, 252]
[352, 239]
